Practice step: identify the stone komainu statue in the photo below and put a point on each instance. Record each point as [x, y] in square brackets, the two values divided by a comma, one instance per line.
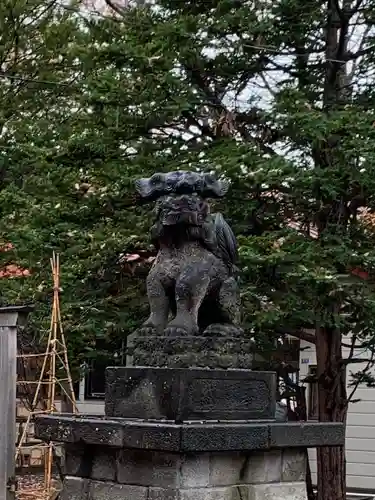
[192, 288]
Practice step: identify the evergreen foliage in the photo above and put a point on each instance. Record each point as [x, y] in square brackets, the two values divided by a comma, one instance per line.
[276, 96]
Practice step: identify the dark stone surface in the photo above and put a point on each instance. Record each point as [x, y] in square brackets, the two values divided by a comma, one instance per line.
[198, 360]
[195, 394]
[229, 436]
[220, 437]
[179, 345]
[73, 429]
[57, 428]
[189, 352]
[118, 433]
[148, 468]
[124, 466]
[75, 488]
[152, 436]
[83, 489]
[104, 464]
[141, 393]
[311, 434]
[99, 490]
[78, 459]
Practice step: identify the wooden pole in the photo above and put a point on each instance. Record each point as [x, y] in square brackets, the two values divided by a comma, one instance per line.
[57, 342]
[10, 318]
[55, 361]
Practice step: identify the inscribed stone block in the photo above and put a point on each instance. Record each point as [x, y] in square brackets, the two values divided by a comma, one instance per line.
[194, 394]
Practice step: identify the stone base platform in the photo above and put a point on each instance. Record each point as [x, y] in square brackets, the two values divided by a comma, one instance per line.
[188, 436]
[116, 459]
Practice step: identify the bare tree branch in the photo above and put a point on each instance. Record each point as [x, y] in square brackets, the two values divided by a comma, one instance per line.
[353, 361]
[119, 10]
[299, 334]
[370, 363]
[360, 48]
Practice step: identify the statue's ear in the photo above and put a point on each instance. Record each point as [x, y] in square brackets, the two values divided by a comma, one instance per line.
[151, 188]
[142, 187]
[214, 188]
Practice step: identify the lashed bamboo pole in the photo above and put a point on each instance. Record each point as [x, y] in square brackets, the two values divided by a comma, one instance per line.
[56, 354]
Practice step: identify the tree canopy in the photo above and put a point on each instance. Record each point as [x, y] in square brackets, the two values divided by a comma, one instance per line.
[275, 96]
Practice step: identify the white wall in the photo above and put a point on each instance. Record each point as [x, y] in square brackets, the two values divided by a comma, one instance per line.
[91, 407]
[86, 406]
[360, 430]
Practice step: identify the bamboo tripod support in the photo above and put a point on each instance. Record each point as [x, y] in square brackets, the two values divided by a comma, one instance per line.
[55, 364]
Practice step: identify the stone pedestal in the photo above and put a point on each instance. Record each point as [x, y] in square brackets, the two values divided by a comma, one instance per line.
[188, 352]
[113, 458]
[178, 433]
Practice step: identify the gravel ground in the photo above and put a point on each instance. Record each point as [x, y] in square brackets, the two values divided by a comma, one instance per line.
[31, 487]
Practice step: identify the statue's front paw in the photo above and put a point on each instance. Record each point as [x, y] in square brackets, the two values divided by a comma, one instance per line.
[182, 325]
[223, 330]
[175, 331]
[147, 331]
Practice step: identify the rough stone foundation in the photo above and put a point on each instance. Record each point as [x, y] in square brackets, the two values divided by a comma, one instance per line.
[149, 475]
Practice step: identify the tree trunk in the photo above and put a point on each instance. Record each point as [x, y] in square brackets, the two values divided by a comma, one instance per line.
[332, 408]
[301, 404]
